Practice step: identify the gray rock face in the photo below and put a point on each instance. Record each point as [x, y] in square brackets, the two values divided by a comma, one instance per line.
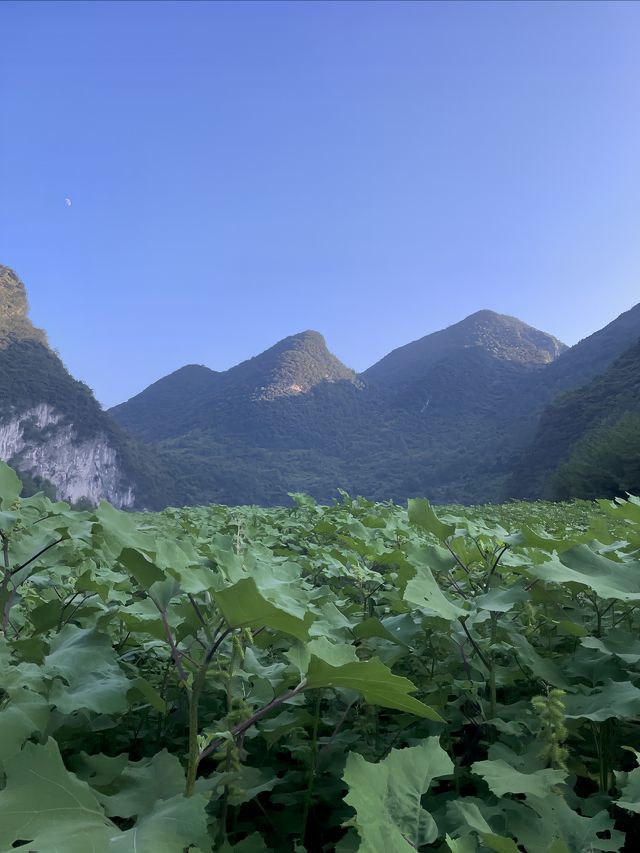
[37, 441]
[14, 311]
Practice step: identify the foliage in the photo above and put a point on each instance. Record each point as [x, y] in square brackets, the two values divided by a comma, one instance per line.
[588, 437]
[350, 677]
[605, 463]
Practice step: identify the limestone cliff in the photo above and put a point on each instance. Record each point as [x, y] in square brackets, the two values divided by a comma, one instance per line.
[51, 425]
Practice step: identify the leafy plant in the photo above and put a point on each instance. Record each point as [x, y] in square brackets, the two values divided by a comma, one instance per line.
[347, 677]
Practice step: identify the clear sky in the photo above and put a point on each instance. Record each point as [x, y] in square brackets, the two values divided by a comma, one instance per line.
[239, 172]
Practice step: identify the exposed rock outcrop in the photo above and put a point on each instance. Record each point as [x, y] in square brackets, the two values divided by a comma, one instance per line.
[51, 426]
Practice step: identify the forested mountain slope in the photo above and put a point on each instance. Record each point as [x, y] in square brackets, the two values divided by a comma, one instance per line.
[596, 408]
[442, 419]
[51, 426]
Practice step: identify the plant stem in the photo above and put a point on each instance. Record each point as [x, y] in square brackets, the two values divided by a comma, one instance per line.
[313, 763]
[222, 833]
[241, 728]
[194, 700]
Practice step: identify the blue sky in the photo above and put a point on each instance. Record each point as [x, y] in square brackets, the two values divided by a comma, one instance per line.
[242, 171]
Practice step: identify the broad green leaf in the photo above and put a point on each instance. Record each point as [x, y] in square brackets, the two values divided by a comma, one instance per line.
[48, 807]
[501, 599]
[121, 530]
[499, 843]
[243, 605]
[542, 667]
[607, 578]
[141, 568]
[143, 783]
[617, 642]
[464, 844]
[503, 779]
[387, 796]
[629, 786]
[423, 591]
[86, 661]
[25, 714]
[617, 699]
[10, 485]
[98, 770]
[542, 822]
[373, 680]
[421, 514]
[334, 654]
[173, 825]
[468, 815]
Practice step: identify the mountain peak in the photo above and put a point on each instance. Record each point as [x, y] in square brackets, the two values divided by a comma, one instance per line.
[292, 366]
[498, 336]
[15, 324]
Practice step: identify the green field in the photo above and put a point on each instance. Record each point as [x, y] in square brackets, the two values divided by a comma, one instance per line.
[355, 677]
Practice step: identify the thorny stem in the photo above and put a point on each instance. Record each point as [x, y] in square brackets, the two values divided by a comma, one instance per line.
[241, 728]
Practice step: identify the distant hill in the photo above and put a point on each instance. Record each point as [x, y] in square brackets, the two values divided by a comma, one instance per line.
[51, 427]
[564, 418]
[594, 354]
[484, 410]
[500, 337]
[195, 397]
[572, 417]
[434, 417]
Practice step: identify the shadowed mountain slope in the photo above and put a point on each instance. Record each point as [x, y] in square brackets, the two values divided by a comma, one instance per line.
[571, 416]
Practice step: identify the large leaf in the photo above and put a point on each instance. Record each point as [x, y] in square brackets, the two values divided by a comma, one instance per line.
[48, 807]
[85, 659]
[421, 514]
[422, 591]
[387, 796]
[622, 644]
[143, 783]
[243, 606]
[373, 680]
[581, 565]
[25, 714]
[629, 785]
[618, 699]
[503, 779]
[173, 825]
[10, 485]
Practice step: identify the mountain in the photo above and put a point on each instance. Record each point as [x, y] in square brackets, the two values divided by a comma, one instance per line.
[571, 423]
[158, 411]
[468, 396]
[295, 418]
[52, 429]
[594, 354]
[592, 371]
[484, 410]
[288, 419]
[500, 337]
[195, 396]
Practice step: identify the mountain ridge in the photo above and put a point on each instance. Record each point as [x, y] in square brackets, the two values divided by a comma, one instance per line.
[453, 415]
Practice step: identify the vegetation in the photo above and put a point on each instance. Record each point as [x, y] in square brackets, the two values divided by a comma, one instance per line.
[452, 414]
[353, 677]
[605, 463]
[586, 444]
